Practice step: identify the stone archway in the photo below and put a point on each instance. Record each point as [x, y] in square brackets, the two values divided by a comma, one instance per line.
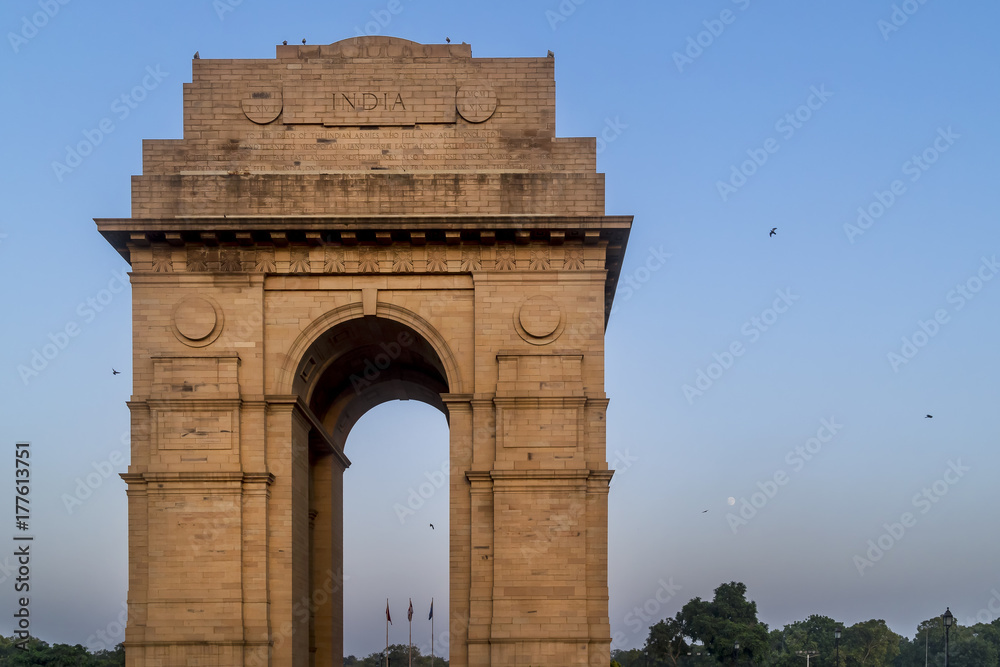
[322, 240]
[350, 368]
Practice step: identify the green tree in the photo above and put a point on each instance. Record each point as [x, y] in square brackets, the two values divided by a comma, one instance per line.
[630, 658]
[930, 634]
[816, 633]
[665, 643]
[976, 646]
[729, 618]
[971, 650]
[989, 632]
[398, 658]
[869, 643]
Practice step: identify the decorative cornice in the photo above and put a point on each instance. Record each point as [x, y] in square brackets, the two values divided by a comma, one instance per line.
[245, 244]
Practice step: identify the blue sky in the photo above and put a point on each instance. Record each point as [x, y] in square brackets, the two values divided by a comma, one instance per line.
[720, 120]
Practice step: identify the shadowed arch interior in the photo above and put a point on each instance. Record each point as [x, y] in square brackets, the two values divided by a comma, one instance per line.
[362, 363]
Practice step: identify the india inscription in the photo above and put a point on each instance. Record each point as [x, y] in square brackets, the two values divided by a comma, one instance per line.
[342, 101]
[321, 209]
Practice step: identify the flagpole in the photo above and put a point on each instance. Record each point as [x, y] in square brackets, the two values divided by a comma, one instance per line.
[387, 632]
[409, 650]
[432, 632]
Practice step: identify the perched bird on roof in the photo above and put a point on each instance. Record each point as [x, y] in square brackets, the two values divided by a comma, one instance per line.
[448, 39]
[196, 56]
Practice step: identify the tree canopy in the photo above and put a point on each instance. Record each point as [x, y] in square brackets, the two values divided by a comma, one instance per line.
[705, 633]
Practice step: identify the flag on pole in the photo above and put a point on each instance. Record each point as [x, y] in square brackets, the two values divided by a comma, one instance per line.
[431, 615]
[388, 618]
[409, 614]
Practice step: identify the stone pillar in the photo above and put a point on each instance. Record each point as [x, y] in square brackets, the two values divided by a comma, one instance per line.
[288, 530]
[461, 501]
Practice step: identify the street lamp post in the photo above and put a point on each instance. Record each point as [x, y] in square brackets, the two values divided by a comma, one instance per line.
[948, 619]
[836, 641]
[736, 652]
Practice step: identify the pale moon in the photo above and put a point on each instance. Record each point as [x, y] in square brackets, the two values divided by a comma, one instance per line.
[731, 501]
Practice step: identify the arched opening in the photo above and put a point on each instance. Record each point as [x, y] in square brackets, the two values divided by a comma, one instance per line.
[351, 369]
[395, 490]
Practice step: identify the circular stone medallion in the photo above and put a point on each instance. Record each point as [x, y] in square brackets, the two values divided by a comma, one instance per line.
[197, 321]
[262, 105]
[539, 320]
[476, 102]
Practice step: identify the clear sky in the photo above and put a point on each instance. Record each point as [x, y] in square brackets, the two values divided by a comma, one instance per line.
[865, 132]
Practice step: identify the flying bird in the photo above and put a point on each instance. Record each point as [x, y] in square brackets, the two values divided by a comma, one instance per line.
[703, 511]
[432, 526]
[774, 230]
[114, 372]
[929, 417]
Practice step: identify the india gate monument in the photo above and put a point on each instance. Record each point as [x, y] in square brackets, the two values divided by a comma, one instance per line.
[341, 226]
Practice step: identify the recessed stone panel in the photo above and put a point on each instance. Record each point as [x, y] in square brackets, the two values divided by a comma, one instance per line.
[194, 430]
